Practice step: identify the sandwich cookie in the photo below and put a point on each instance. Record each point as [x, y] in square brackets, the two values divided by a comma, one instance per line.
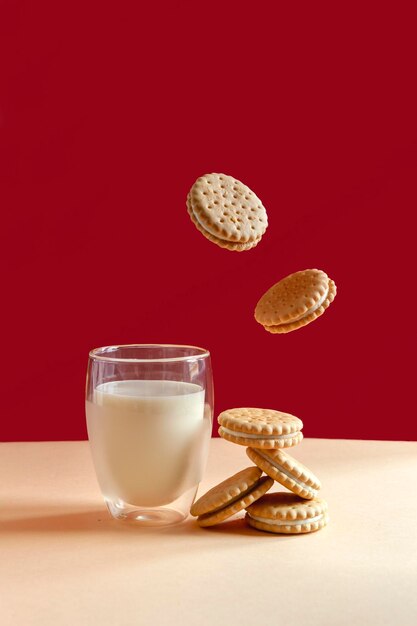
[295, 301]
[227, 212]
[287, 513]
[286, 470]
[231, 496]
[260, 428]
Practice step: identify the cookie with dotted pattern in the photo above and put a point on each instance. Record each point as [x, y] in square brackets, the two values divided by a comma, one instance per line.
[260, 428]
[295, 301]
[237, 247]
[227, 212]
[287, 471]
[231, 496]
[287, 513]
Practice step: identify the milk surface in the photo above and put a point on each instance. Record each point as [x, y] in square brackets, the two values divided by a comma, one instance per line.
[146, 438]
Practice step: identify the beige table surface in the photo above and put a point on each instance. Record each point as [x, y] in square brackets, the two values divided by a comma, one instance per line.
[63, 560]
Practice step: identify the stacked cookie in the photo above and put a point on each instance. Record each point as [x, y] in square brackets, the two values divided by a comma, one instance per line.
[265, 432]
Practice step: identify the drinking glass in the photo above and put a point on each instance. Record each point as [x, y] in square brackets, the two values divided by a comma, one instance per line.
[149, 412]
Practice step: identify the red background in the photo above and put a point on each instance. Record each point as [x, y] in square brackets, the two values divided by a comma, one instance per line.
[109, 112]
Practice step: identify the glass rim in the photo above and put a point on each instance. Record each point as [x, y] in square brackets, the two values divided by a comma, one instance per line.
[201, 353]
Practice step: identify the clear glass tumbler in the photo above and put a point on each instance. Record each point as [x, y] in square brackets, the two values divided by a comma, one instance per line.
[149, 412]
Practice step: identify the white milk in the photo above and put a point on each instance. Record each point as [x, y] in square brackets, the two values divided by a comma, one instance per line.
[146, 438]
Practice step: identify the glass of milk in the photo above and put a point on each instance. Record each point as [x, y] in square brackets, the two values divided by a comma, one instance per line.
[149, 415]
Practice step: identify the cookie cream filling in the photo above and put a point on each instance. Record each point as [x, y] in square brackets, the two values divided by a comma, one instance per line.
[314, 308]
[237, 433]
[282, 469]
[281, 522]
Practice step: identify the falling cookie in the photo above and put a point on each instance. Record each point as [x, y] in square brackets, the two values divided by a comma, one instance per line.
[227, 212]
[287, 513]
[260, 428]
[286, 470]
[231, 496]
[295, 301]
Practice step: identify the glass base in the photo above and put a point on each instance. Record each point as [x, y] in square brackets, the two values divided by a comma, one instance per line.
[145, 516]
[172, 513]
